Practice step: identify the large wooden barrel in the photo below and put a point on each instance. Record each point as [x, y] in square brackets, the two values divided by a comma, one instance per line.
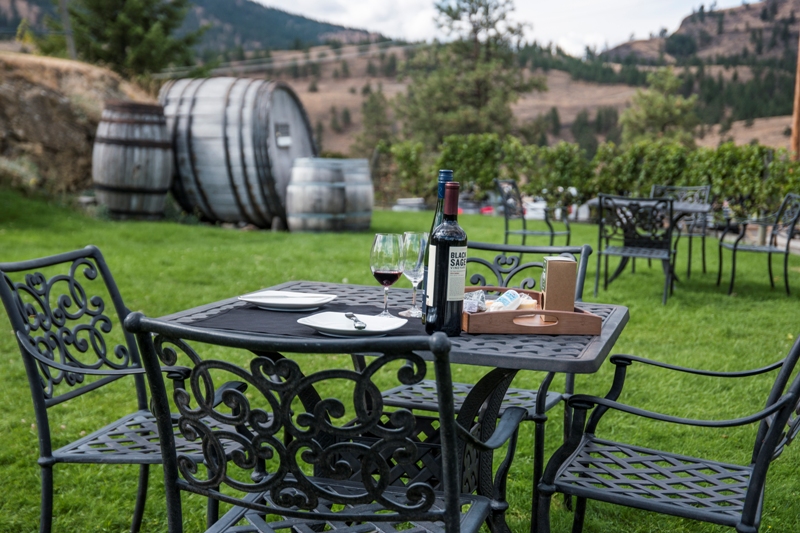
[359, 194]
[330, 195]
[132, 160]
[315, 197]
[235, 141]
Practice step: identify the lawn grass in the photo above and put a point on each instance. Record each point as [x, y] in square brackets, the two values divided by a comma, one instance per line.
[165, 267]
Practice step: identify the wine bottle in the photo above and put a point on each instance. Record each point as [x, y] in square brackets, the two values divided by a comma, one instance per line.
[447, 270]
[445, 176]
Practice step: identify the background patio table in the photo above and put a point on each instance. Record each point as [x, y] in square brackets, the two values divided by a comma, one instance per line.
[581, 354]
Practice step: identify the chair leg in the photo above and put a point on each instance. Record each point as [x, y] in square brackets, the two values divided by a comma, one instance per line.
[141, 499]
[212, 512]
[689, 260]
[733, 271]
[719, 268]
[633, 266]
[769, 269]
[580, 514]
[667, 279]
[703, 251]
[46, 516]
[597, 274]
[605, 276]
[786, 272]
[543, 515]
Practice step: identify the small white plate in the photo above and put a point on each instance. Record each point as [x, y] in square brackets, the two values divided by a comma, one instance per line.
[287, 301]
[338, 325]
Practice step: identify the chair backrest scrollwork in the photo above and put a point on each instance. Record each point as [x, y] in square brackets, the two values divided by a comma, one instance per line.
[506, 270]
[300, 452]
[786, 218]
[636, 222]
[67, 313]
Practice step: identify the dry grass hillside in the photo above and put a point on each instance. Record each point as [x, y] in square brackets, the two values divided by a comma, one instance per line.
[567, 95]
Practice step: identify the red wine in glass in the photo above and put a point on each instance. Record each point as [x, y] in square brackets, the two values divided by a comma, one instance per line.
[386, 263]
[387, 278]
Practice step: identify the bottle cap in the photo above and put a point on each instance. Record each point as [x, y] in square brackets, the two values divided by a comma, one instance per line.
[445, 175]
[451, 198]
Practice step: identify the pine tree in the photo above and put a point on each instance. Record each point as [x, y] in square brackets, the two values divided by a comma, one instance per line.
[377, 125]
[660, 112]
[133, 37]
[467, 85]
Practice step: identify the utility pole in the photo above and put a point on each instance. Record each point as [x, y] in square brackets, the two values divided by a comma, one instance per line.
[795, 146]
[62, 4]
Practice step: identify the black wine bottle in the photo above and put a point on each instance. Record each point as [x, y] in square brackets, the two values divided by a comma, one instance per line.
[445, 176]
[447, 271]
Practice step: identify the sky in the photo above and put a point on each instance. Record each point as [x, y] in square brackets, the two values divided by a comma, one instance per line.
[571, 24]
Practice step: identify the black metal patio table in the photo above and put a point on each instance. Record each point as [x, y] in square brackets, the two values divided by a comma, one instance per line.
[577, 354]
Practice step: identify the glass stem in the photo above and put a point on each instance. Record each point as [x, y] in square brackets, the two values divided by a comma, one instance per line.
[414, 297]
[386, 300]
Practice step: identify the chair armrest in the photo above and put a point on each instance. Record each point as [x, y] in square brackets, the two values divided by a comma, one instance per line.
[506, 428]
[624, 359]
[582, 401]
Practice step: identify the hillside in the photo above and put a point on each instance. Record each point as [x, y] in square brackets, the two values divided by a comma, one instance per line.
[234, 23]
[765, 30]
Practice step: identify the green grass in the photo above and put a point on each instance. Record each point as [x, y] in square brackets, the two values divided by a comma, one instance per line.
[165, 267]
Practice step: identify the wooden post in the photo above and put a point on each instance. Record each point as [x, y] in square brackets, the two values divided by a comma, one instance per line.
[795, 146]
[62, 4]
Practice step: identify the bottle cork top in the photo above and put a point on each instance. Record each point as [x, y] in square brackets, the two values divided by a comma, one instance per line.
[451, 198]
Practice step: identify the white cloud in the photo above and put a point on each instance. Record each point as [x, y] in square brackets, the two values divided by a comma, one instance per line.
[572, 24]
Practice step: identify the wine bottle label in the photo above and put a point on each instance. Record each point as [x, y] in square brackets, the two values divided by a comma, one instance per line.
[457, 273]
[431, 275]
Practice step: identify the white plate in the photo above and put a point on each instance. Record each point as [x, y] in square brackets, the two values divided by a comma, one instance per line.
[287, 301]
[338, 325]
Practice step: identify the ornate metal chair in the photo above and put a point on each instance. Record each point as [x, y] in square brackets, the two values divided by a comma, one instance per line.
[71, 345]
[633, 228]
[783, 224]
[343, 463]
[513, 209]
[690, 226]
[591, 467]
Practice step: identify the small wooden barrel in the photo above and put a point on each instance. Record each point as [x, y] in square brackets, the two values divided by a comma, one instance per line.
[132, 160]
[315, 197]
[359, 194]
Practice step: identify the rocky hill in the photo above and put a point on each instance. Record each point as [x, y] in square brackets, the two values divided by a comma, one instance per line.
[49, 111]
[764, 30]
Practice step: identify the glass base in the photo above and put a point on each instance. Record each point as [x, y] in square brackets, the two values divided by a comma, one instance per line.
[387, 314]
[414, 312]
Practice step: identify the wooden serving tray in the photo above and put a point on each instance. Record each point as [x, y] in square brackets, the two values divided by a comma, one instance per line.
[530, 321]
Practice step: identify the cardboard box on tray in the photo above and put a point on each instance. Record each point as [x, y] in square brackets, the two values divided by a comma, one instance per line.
[559, 276]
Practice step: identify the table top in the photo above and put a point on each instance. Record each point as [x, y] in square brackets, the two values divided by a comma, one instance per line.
[551, 353]
[686, 208]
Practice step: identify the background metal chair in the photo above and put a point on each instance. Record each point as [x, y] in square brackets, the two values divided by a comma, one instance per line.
[590, 467]
[313, 464]
[513, 209]
[782, 223]
[690, 226]
[633, 228]
[72, 343]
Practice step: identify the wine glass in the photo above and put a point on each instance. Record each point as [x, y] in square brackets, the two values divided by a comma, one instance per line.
[414, 244]
[386, 261]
